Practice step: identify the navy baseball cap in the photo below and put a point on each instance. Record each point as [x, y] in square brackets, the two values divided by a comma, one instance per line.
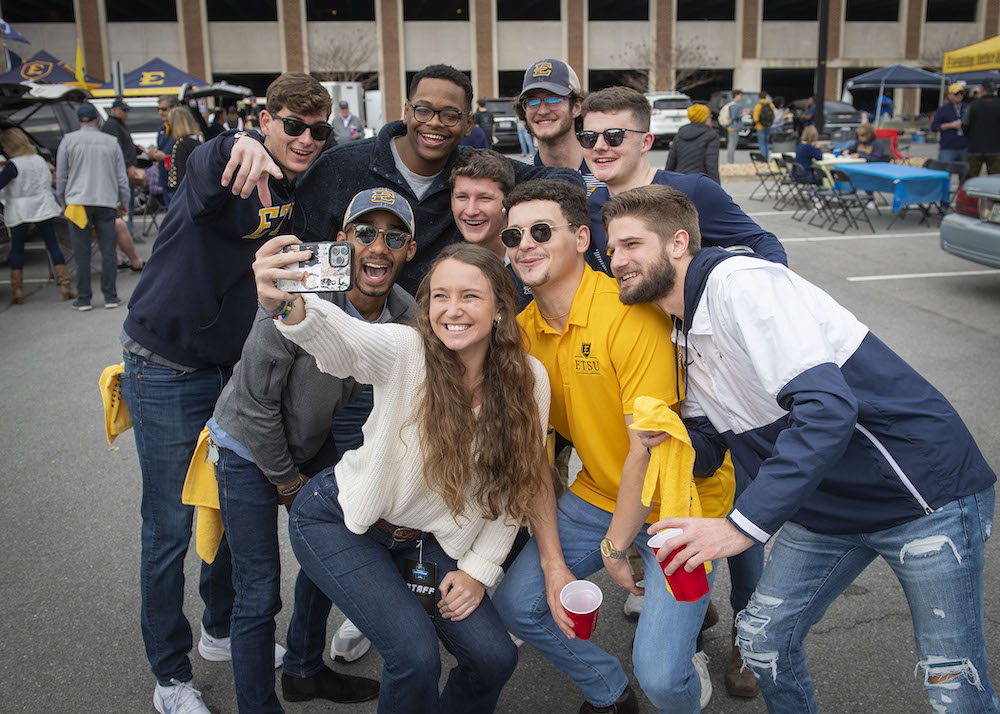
[380, 199]
[553, 75]
[86, 112]
[119, 103]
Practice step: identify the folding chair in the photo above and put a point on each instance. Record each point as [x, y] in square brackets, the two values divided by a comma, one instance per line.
[892, 145]
[805, 192]
[784, 188]
[835, 207]
[764, 174]
[849, 196]
[958, 169]
[148, 206]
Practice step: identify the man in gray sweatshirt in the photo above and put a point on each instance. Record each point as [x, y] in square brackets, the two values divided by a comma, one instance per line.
[272, 427]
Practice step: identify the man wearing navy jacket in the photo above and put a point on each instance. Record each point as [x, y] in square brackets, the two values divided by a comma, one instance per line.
[188, 318]
[854, 455]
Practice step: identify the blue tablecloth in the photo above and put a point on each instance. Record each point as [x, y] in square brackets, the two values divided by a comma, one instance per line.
[909, 185]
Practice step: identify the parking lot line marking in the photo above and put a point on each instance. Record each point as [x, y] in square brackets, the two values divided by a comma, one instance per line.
[767, 213]
[866, 236]
[906, 276]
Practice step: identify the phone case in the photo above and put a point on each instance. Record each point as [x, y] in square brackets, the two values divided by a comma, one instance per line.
[328, 270]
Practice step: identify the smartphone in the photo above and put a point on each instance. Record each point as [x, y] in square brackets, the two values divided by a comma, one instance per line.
[329, 269]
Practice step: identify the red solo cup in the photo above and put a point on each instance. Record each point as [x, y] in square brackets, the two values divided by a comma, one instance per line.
[687, 587]
[581, 599]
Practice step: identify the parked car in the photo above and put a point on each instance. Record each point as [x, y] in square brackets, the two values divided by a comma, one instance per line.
[504, 123]
[838, 117]
[668, 114]
[972, 231]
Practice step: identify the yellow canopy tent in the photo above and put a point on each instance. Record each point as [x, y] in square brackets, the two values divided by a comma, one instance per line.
[974, 58]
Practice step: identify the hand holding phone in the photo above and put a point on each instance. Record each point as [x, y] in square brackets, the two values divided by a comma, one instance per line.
[328, 269]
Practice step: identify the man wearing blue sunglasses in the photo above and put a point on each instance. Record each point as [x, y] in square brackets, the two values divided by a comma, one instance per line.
[550, 104]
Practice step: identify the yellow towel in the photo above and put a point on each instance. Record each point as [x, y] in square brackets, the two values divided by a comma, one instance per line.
[77, 214]
[117, 420]
[202, 490]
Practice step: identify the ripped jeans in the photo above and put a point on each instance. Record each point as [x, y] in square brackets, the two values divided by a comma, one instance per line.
[938, 560]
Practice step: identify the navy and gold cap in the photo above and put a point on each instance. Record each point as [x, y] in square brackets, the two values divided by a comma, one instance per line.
[380, 199]
[553, 75]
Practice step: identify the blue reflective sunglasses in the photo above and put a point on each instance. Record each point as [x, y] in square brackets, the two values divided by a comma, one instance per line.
[536, 101]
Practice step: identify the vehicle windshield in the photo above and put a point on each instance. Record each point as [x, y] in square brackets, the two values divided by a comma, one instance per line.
[500, 108]
[681, 103]
[143, 119]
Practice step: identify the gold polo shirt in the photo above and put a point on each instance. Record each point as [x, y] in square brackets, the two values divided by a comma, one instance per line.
[608, 355]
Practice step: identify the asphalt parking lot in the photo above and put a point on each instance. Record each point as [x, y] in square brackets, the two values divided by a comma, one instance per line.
[69, 518]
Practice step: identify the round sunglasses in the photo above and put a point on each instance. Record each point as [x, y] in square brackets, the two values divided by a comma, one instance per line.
[614, 137]
[294, 127]
[540, 233]
[395, 239]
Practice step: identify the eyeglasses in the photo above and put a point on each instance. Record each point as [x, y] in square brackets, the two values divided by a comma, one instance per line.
[540, 233]
[294, 127]
[535, 102]
[163, 109]
[448, 117]
[366, 234]
[614, 137]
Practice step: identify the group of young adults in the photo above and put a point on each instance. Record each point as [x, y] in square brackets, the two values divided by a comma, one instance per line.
[544, 296]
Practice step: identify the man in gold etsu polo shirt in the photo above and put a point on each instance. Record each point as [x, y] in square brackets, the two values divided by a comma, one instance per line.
[600, 356]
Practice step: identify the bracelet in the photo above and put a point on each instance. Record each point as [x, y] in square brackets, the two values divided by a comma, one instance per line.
[285, 312]
[267, 312]
[294, 489]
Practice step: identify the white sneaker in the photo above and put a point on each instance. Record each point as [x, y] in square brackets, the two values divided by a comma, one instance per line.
[219, 649]
[700, 661]
[178, 698]
[348, 643]
[633, 605]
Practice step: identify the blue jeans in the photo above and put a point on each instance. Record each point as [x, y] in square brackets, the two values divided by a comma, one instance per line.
[524, 139]
[745, 568]
[763, 135]
[19, 236]
[249, 504]
[953, 154]
[102, 220]
[938, 560]
[169, 408]
[362, 574]
[347, 422]
[664, 639]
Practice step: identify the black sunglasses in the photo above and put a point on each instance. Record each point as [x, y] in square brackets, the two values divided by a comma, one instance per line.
[366, 234]
[540, 233]
[614, 137]
[294, 127]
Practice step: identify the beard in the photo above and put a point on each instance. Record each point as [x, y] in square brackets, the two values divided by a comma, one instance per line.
[656, 282]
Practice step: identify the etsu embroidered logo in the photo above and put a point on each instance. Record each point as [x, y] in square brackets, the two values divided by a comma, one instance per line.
[383, 196]
[585, 364]
[270, 220]
[542, 69]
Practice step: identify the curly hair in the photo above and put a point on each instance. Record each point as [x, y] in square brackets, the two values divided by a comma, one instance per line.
[493, 459]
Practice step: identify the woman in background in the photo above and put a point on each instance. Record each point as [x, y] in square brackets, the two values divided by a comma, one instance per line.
[695, 149]
[184, 132]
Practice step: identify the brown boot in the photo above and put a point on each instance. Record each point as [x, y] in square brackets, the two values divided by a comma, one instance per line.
[17, 287]
[65, 285]
[739, 683]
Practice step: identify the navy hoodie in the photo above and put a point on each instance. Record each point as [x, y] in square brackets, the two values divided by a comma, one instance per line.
[196, 300]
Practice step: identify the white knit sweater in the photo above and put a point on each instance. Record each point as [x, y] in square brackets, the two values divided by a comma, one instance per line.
[384, 478]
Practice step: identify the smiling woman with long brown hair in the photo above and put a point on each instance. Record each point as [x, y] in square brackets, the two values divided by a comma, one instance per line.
[453, 460]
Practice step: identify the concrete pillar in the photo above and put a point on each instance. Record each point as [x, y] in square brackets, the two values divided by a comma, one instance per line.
[661, 42]
[575, 21]
[192, 25]
[391, 72]
[482, 29]
[92, 33]
[991, 18]
[751, 27]
[292, 35]
[834, 35]
[914, 13]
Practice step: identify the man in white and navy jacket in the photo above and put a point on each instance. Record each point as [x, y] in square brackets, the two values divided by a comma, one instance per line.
[854, 455]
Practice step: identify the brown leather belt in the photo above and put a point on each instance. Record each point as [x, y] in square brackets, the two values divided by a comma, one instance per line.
[398, 534]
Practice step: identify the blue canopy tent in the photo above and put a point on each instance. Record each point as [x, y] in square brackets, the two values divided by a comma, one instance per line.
[151, 79]
[894, 76]
[43, 67]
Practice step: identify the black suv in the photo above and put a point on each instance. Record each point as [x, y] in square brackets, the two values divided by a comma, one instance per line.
[504, 123]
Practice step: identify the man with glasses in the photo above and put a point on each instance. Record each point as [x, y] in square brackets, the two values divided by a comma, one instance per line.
[549, 105]
[600, 356]
[188, 318]
[272, 426]
[413, 157]
[954, 144]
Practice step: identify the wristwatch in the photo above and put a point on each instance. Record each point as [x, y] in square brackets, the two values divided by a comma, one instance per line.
[608, 549]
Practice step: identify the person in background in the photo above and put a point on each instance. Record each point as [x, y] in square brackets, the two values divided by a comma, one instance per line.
[475, 139]
[484, 120]
[126, 244]
[763, 119]
[216, 127]
[781, 115]
[730, 117]
[233, 119]
[116, 126]
[90, 173]
[808, 117]
[982, 124]
[808, 149]
[953, 144]
[524, 139]
[164, 144]
[695, 149]
[867, 146]
[185, 139]
[346, 126]
[28, 201]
